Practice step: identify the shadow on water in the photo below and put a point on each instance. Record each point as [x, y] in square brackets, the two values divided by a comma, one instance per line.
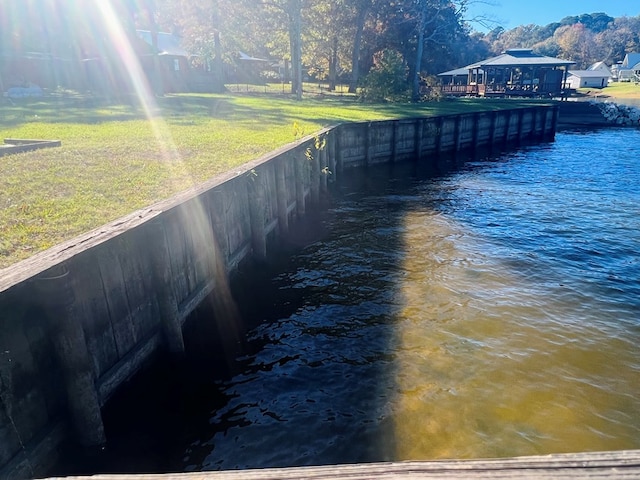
[309, 381]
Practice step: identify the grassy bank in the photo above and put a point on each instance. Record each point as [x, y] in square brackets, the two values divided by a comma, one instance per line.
[614, 91]
[114, 159]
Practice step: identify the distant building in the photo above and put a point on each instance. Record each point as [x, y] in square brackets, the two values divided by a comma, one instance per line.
[629, 69]
[588, 78]
[601, 67]
[516, 72]
[173, 59]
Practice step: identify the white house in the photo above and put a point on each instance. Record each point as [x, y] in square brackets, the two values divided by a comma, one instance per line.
[601, 67]
[588, 78]
[629, 70]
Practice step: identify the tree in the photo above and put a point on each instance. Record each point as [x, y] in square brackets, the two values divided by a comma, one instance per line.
[522, 36]
[576, 43]
[418, 28]
[621, 37]
[217, 47]
[437, 22]
[362, 8]
[147, 10]
[294, 10]
[328, 38]
[387, 79]
[288, 12]
[201, 27]
[596, 22]
[548, 47]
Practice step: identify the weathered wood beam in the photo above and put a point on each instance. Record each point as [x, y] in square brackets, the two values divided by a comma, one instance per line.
[590, 465]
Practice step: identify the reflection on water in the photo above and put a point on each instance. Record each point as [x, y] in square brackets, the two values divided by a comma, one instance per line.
[502, 361]
[489, 312]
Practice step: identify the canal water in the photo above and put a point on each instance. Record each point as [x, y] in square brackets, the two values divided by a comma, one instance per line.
[484, 309]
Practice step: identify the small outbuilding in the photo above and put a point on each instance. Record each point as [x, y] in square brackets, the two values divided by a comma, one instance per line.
[588, 78]
[516, 72]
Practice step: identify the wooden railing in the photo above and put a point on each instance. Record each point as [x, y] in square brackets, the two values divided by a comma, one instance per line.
[506, 89]
[458, 89]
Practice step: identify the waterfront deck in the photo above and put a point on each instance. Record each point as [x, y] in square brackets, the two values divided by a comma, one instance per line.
[592, 465]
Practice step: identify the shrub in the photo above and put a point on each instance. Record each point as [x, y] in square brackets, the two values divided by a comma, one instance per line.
[430, 89]
[387, 80]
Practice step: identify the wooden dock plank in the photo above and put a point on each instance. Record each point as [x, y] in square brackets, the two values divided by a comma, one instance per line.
[624, 464]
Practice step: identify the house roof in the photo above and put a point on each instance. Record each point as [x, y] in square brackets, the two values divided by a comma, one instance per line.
[631, 59]
[248, 58]
[601, 66]
[589, 73]
[168, 43]
[516, 57]
[456, 72]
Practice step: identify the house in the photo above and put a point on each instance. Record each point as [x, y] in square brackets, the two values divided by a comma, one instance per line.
[174, 60]
[629, 69]
[99, 69]
[516, 72]
[601, 67]
[588, 78]
[40, 69]
[250, 69]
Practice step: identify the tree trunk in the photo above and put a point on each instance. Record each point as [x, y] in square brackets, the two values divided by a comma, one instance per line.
[156, 75]
[355, 55]
[415, 84]
[218, 75]
[333, 64]
[295, 39]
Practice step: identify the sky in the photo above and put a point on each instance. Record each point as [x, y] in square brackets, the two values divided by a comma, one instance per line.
[511, 13]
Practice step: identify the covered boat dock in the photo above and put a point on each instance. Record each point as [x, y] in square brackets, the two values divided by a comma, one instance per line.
[517, 72]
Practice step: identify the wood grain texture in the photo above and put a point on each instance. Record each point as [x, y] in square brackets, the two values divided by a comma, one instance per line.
[624, 464]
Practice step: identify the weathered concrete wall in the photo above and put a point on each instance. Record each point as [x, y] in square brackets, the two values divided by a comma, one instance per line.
[362, 144]
[78, 320]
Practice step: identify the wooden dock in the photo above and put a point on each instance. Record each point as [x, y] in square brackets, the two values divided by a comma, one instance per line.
[624, 464]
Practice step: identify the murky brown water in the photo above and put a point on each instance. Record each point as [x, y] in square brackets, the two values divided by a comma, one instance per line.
[493, 361]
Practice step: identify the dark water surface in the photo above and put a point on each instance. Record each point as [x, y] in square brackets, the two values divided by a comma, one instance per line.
[488, 312]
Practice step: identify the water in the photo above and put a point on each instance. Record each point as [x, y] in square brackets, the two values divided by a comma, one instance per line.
[488, 312]
[491, 311]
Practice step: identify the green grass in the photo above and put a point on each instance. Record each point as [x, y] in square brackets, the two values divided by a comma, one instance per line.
[115, 160]
[622, 90]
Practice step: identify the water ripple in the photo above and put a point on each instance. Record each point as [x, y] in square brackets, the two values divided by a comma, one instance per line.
[493, 311]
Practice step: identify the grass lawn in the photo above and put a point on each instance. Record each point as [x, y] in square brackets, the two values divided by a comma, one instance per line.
[614, 91]
[114, 159]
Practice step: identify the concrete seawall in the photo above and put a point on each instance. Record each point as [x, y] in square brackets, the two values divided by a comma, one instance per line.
[78, 320]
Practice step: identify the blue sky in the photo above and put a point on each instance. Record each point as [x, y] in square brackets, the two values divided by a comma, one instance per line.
[512, 13]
